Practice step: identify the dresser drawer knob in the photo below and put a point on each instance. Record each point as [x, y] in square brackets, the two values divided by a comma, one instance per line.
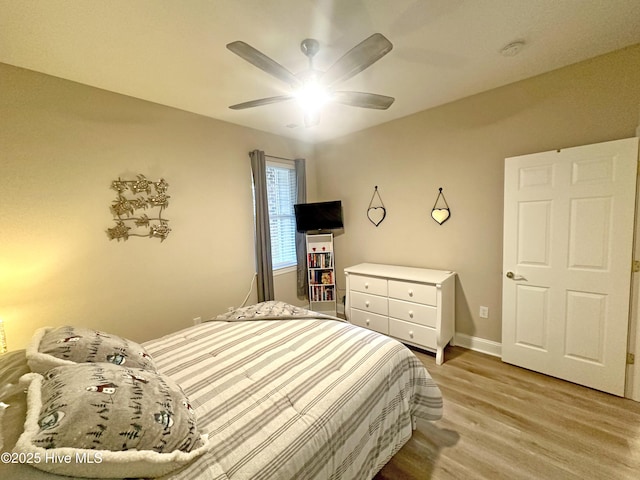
[411, 293]
[366, 304]
[410, 313]
[366, 285]
[411, 333]
[367, 321]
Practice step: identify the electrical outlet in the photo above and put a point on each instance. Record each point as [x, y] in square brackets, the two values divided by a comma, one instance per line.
[197, 320]
[484, 312]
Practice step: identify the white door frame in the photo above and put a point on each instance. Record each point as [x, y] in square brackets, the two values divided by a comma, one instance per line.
[632, 388]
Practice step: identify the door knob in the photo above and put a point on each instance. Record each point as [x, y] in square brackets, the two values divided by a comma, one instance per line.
[515, 276]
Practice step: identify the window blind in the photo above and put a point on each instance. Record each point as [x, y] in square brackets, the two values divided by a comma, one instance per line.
[281, 196]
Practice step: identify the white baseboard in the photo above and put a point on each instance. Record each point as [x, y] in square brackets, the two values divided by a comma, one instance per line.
[478, 344]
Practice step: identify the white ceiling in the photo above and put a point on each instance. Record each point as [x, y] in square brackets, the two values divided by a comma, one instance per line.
[172, 52]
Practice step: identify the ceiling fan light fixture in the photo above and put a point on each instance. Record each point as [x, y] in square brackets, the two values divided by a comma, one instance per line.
[312, 96]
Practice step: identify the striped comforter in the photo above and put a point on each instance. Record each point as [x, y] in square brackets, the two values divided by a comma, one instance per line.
[296, 398]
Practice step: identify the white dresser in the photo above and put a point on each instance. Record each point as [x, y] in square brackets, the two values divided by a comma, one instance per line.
[413, 305]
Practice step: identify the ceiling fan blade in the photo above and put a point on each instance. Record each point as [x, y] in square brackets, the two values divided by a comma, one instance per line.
[261, 101]
[260, 60]
[357, 59]
[363, 100]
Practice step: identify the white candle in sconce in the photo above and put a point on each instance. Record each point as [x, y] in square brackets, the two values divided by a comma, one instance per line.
[3, 338]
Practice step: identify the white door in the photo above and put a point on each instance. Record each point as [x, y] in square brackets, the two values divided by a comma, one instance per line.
[568, 245]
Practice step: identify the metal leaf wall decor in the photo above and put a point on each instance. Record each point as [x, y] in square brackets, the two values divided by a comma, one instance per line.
[136, 195]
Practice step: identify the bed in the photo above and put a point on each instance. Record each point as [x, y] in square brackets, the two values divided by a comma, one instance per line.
[279, 392]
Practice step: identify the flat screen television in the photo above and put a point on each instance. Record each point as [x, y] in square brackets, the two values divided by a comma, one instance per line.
[318, 216]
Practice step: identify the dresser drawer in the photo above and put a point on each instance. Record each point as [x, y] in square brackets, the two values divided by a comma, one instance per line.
[372, 285]
[412, 333]
[369, 303]
[413, 292]
[369, 320]
[413, 312]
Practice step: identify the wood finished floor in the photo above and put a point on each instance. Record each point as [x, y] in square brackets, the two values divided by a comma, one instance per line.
[505, 422]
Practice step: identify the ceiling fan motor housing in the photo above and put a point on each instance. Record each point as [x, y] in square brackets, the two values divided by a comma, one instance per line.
[309, 47]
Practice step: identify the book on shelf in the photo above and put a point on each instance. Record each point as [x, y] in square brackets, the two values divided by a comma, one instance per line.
[321, 293]
[319, 260]
[321, 277]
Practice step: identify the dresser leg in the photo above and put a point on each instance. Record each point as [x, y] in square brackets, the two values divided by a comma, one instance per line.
[439, 356]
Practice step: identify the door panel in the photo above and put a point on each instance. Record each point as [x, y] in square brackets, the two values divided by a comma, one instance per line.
[586, 321]
[568, 238]
[590, 218]
[534, 233]
[532, 317]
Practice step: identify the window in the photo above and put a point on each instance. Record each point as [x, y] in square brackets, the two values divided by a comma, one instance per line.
[281, 196]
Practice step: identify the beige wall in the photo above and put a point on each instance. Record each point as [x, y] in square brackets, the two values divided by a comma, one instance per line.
[61, 145]
[461, 147]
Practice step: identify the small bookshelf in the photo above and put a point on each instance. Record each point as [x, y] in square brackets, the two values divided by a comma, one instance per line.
[321, 273]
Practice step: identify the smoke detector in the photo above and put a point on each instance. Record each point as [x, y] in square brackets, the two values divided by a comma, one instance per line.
[512, 49]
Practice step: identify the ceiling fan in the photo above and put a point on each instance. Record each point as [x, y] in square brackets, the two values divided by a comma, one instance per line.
[312, 88]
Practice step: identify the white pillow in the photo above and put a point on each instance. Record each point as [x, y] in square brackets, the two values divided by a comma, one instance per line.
[100, 420]
[53, 347]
